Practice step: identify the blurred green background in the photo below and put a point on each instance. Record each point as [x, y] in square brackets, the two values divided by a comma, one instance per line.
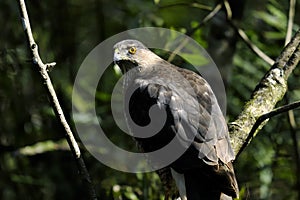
[35, 162]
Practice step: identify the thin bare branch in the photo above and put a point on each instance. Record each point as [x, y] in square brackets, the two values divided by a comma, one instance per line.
[206, 19]
[228, 9]
[296, 149]
[192, 31]
[290, 22]
[252, 46]
[292, 120]
[245, 38]
[175, 52]
[54, 100]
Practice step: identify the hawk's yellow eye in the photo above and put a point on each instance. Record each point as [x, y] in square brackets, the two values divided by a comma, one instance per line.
[132, 50]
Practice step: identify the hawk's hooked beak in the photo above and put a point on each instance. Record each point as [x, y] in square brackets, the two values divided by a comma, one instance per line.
[123, 61]
[117, 56]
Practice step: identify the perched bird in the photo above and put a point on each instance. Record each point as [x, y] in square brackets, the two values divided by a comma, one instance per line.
[204, 170]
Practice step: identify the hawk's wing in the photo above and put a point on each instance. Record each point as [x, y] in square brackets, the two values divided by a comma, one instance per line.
[216, 143]
[196, 115]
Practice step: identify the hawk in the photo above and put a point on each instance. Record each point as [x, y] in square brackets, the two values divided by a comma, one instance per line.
[204, 170]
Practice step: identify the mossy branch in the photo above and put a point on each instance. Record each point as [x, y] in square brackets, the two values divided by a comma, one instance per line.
[267, 93]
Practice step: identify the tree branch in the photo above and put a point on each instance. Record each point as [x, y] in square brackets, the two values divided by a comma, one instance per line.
[267, 93]
[268, 115]
[54, 100]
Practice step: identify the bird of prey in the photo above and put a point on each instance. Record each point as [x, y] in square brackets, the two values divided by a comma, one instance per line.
[204, 170]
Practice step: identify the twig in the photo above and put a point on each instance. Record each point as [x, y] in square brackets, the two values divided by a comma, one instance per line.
[251, 45]
[291, 115]
[268, 115]
[42, 147]
[287, 39]
[206, 19]
[54, 100]
[193, 30]
[297, 158]
[228, 9]
[178, 48]
[292, 120]
[290, 22]
[244, 36]
[293, 132]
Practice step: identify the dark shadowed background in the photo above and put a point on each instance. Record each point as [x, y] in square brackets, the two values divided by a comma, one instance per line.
[35, 162]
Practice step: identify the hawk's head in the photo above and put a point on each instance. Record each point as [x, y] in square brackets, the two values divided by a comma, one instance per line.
[132, 53]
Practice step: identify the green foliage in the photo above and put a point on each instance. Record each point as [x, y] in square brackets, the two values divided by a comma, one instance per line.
[34, 160]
